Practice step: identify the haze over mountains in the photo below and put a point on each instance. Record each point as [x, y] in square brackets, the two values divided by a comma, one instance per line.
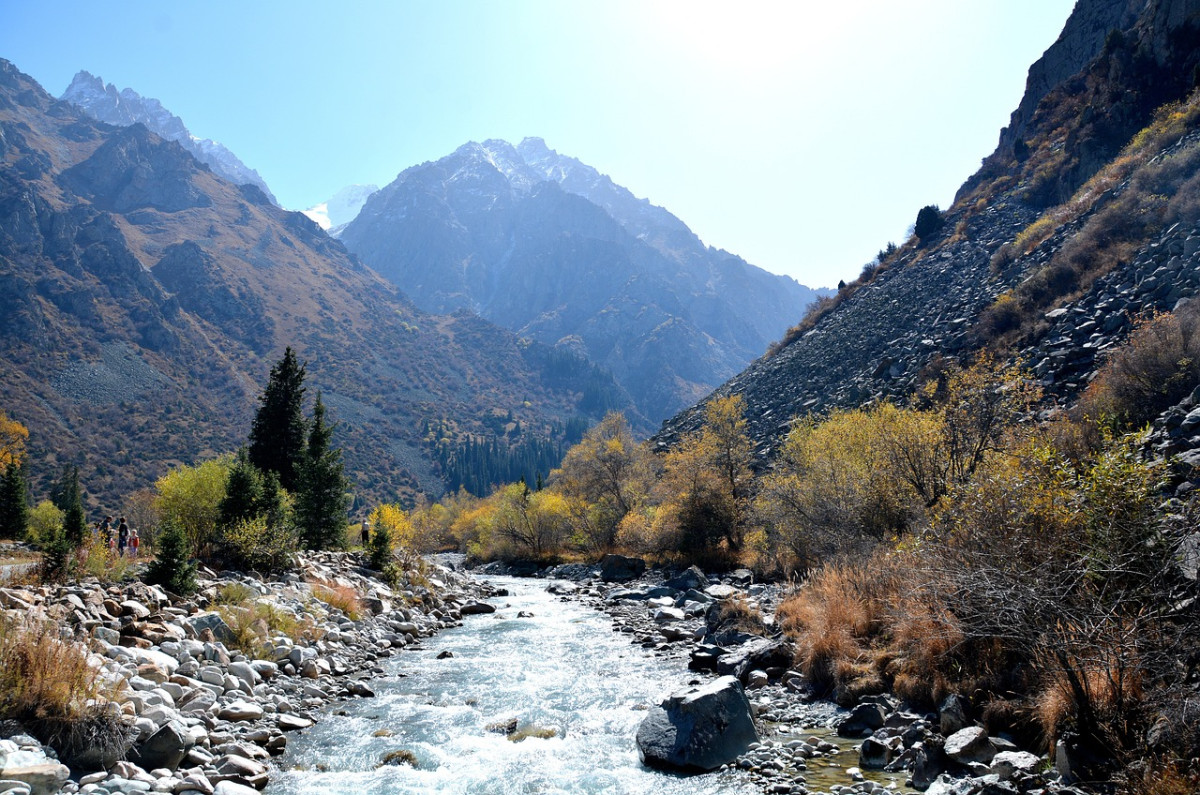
[547, 246]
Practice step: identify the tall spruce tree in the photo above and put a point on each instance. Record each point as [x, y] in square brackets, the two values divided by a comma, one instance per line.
[68, 498]
[321, 501]
[14, 502]
[277, 435]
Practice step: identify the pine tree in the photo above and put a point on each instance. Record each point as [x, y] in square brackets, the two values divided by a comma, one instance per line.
[321, 502]
[277, 435]
[68, 498]
[172, 567]
[14, 504]
[56, 558]
[243, 492]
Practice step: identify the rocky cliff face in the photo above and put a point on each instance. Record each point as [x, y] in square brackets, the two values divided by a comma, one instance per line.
[547, 246]
[1074, 274]
[126, 107]
[143, 299]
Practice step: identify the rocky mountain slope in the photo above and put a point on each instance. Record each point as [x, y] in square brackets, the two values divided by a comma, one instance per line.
[1083, 219]
[143, 299]
[105, 103]
[547, 246]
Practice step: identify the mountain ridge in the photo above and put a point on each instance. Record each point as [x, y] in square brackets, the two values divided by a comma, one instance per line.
[143, 298]
[104, 102]
[549, 247]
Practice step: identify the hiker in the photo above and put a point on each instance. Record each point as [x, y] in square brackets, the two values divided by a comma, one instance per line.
[366, 532]
[122, 537]
[134, 542]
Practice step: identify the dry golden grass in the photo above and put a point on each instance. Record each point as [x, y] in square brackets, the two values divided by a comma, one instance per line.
[340, 597]
[860, 628]
[42, 676]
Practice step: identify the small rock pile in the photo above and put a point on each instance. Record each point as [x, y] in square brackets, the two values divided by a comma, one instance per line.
[202, 716]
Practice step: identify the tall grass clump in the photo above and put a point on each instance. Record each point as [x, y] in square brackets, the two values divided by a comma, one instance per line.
[48, 685]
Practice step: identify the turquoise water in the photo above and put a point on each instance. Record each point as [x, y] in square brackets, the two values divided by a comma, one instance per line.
[564, 670]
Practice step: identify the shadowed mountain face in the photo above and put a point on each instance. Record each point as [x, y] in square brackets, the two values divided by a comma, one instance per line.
[1083, 219]
[143, 300]
[547, 246]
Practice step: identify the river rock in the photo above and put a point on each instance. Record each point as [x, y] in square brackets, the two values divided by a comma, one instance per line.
[698, 729]
[240, 710]
[1007, 764]
[693, 577]
[970, 745]
[41, 774]
[621, 568]
[163, 749]
[862, 721]
[477, 609]
[212, 622]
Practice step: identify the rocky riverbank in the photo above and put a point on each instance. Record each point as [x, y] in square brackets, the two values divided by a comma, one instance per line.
[725, 626]
[207, 688]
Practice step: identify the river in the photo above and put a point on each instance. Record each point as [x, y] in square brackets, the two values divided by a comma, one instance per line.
[562, 669]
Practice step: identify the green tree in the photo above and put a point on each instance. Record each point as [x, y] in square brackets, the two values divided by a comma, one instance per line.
[190, 497]
[277, 434]
[243, 492]
[68, 497]
[56, 557]
[929, 221]
[14, 504]
[321, 501]
[173, 568]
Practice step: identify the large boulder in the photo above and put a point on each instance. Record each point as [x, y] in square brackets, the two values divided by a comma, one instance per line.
[163, 749]
[477, 609]
[698, 729]
[621, 568]
[970, 745]
[211, 621]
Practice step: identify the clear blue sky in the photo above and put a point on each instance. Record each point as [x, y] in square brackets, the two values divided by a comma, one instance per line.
[802, 136]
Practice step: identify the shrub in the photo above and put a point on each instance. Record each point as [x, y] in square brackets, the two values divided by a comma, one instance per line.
[45, 519]
[1156, 368]
[260, 544]
[929, 221]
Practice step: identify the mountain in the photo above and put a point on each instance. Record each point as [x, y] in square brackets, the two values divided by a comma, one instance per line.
[143, 299]
[549, 247]
[123, 108]
[1082, 220]
[334, 213]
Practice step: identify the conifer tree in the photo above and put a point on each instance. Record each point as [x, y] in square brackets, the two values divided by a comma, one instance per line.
[14, 504]
[243, 492]
[172, 567]
[277, 434]
[321, 502]
[68, 498]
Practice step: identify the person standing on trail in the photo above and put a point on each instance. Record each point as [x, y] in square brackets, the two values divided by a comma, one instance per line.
[122, 537]
[134, 542]
[366, 532]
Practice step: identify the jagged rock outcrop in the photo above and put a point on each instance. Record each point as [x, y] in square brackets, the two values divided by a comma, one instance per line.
[126, 107]
[549, 247]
